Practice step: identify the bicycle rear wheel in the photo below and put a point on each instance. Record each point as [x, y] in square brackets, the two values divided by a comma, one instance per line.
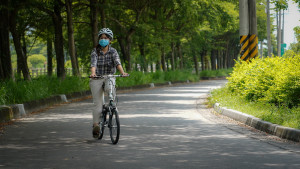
[114, 127]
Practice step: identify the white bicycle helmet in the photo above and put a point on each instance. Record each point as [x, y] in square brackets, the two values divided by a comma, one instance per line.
[106, 31]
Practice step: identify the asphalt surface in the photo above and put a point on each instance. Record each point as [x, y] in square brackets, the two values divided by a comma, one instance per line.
[166, 127]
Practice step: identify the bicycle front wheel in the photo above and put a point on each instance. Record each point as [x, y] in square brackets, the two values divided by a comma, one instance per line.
[114, 127]
[102, 125]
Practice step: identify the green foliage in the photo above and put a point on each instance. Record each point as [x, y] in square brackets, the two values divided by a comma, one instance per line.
[43, 87]
[37, 60]
[282, 115]
[270, 80]
[215, 73]
[140, 78]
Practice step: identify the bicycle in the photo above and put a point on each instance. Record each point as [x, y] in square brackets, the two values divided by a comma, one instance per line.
[110, 115]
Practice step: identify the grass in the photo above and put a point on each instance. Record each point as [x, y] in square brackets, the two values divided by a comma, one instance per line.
[23, 91]
[140, 78]
[277, 114]
[20, 91]
[215, 73]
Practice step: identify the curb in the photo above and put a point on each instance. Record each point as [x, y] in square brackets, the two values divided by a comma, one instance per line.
[270, 128]
[16, 111]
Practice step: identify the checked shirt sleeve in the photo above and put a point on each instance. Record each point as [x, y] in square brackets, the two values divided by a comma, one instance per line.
[116, 58]
[94, 58]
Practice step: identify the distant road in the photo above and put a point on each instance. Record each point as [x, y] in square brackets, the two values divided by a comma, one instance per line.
[166, 127]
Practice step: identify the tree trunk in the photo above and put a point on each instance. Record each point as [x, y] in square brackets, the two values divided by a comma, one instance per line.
[196, 63]
[219, 59]
[75, 68]
[144, 61]
[5, 58]
[102, 13]
[172, 56]
[49, 56]
[203, 53]
[180, 55]
[213, 60]
[58, 42]
[21, 58]
[163, 59]
[94, 21]
[125, 45]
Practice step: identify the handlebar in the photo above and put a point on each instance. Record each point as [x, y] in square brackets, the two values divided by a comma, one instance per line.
[109, 76]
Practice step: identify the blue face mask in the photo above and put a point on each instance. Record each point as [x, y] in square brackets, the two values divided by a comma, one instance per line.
[103, 42]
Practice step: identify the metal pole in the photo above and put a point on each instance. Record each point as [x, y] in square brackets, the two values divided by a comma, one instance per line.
[282, 30]
[279, 34]
[244, 29]
[253, 40]
[269, 29]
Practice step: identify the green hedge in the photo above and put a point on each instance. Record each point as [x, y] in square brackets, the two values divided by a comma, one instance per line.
[272, 80]
[12, 92]
[140, 78]
[215, 73]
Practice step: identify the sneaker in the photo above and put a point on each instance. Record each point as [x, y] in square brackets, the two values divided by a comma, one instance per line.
[96, 131]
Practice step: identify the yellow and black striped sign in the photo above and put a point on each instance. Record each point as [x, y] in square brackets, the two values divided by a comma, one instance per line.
[244, 41]
[249, 47]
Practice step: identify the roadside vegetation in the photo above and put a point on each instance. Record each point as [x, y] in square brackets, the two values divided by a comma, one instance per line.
[267, 88]
[216, 73]
[20, 91]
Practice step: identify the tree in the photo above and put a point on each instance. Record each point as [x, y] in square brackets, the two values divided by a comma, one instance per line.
[54, 10]
[16, 31]
[94, 11]
[5, 59]
[37, 60]
[126, 15]
[71, 41]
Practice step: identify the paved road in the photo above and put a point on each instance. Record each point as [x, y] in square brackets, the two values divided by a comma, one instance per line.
[160, 128]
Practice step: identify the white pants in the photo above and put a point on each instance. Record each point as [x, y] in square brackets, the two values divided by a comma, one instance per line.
[98, 95]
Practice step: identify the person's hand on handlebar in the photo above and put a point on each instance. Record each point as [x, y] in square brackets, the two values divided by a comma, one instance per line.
[93, 75]
[125, 74]
[93, 72]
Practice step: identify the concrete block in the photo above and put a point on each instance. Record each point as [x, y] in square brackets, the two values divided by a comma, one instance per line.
[15, 111]
[288, 133]
[151, 85]
[63, 98]
[217, 107]
[6, 113]
[21, 109]
[236, 115]
[254, 122]
[292, 134]
[279, 131]
[265, 126]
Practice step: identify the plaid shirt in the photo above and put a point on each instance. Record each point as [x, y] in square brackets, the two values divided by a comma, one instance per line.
[105, 63]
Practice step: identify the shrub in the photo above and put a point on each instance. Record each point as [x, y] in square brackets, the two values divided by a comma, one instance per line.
[273, 80]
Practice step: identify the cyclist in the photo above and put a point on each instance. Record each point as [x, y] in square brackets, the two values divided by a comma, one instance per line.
[104, 61]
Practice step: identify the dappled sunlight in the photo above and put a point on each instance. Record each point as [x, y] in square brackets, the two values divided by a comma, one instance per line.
[160, 128]
[157, 101]
[58, 117]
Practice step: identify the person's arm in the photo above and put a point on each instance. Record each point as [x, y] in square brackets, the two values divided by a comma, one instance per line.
[93, 63]
[93, 71]
[120, 68]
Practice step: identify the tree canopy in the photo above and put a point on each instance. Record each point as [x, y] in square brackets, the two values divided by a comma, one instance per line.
[171, 34]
